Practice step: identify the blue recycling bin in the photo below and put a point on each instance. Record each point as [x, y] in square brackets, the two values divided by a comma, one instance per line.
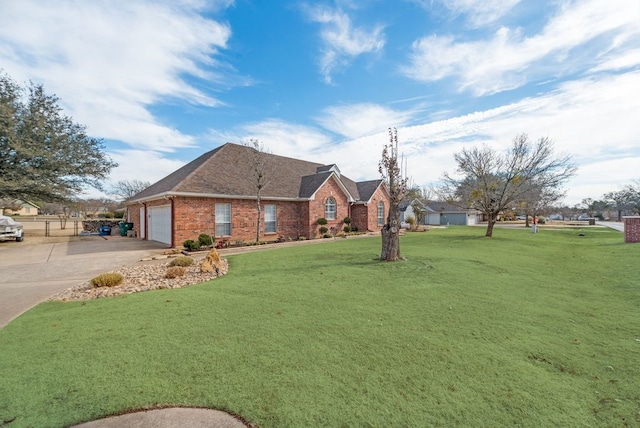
[104, 230]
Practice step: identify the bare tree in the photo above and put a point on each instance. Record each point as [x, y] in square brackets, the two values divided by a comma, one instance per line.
[397, 187]
[627, 199]
[125, 189]
[262, 168]
[418, 198]
[492, 182]
[537, 199]
[12, 204]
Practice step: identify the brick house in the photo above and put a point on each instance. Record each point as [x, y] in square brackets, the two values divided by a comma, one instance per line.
[216, 194]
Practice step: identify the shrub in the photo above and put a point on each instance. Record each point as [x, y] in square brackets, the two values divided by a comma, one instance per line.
[354, 228]
[412, 222]
[347, 220]
[302, 238]
[205, 240]
[542, 220]
[326, 235]
[191, 245]
[118, 214]
[108, 215]
[174, 272]
[321, 221]
[110, 279]
[346, 229]
[323, 230]
[182, 261]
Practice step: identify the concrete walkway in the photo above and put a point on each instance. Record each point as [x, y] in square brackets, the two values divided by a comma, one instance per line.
[176, 417]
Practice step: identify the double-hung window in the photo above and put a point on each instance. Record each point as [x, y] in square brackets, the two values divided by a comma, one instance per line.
[223, 219]
[269, 219]
[330, 208]
[380, 213]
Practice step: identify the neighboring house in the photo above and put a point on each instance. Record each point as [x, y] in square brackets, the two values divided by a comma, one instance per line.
[441, 213]
[26, 208]
[216, 194]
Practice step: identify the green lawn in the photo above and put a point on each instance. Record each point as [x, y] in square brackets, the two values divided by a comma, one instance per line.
[516, 330]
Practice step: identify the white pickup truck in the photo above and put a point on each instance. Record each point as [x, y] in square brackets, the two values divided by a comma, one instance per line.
[10, 229]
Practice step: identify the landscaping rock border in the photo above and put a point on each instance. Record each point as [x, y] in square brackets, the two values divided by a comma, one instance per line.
[143, 277]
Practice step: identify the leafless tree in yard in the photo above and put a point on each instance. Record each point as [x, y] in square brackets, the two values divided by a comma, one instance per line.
[125, 189]
[492, 182]
[262, 168]
[396, 182]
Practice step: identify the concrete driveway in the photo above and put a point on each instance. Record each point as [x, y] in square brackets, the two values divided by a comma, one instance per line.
[616, 225]
[32, 272]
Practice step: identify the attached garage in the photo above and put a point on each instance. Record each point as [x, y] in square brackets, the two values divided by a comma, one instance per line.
[160, 224]
[453, 218]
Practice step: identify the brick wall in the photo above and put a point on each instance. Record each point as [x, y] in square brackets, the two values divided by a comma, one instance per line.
[365, 217]
[193, 216]
[133, 216]
[316, 207]
[631, 229]
[379, 196]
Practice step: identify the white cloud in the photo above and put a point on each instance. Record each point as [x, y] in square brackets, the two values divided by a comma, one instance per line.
[357, 120]
[481, 12]
[109, 62]
[477, 12]
[280, 138]
[144, 165]
[577, 35]
[341, 40]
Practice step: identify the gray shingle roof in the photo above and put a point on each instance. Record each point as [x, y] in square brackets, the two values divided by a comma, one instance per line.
[366, 189]
[228, 171]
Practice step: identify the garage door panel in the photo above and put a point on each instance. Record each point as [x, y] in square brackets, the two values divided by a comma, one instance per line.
[453, 218]
[160, 224]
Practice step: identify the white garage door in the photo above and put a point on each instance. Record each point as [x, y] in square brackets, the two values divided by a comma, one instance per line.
[160, 224]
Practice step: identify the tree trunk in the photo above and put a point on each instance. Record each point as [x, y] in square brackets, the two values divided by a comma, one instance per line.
[259, 219]
[490, 224]
[390, 244]
[391, 237]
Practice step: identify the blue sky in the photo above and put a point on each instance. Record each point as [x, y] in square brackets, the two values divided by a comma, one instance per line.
[164, 81]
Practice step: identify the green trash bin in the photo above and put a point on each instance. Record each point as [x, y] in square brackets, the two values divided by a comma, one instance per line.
[123, 228]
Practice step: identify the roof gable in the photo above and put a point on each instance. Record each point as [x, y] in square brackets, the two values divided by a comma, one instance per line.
[366, 189]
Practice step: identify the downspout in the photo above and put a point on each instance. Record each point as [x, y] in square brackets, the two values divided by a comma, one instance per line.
[146, 222]
[173, 222]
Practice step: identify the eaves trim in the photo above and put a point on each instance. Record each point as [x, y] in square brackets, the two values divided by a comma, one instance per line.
[168, 195]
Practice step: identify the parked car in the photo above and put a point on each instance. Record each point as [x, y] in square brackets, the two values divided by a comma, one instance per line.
[10, 229]
[521, 217]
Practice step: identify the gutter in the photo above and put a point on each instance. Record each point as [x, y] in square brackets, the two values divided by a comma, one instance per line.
[166, 195]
